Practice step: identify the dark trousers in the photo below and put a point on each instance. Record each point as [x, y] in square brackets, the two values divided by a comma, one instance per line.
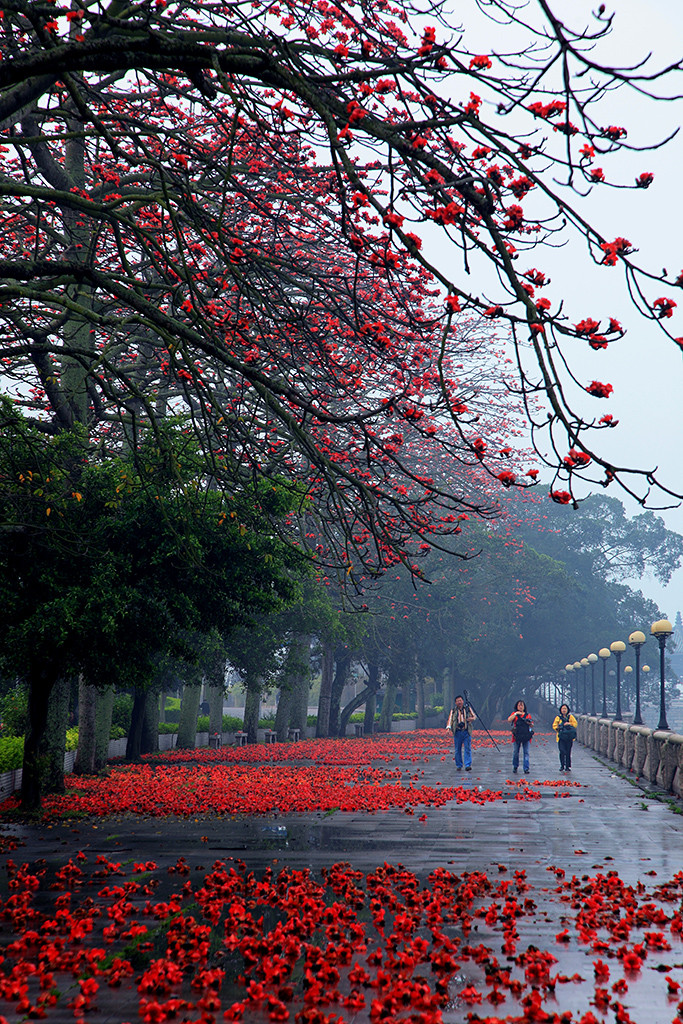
[565, 746]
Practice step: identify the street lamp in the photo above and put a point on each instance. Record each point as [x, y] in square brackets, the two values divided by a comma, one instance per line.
[644, 669]
[604, 653]
[584, 665]
[568, 677]
[636, 640]
[592, 660]
[627, 681]
[618, 648]
[662, 629]
[577, 666]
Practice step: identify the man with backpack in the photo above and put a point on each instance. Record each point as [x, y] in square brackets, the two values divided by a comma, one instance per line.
[522, 731]
[460, 723]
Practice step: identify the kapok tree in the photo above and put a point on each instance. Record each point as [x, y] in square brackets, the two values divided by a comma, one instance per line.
[221, 207]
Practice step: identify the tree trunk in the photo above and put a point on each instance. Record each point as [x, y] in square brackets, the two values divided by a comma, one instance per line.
[323, 725]
[215, 693]
[252, 707]
[448, 689]
[162, 706]
[87, 703]
[189, 712]
[371, 702]
[355, 702]
[41, 682]
[149, 738]
[301, 657]
[420, 689]
[53, 743]
[283, 715]
[103, 712]
[388, 704]
[134, 744]
[341, 675]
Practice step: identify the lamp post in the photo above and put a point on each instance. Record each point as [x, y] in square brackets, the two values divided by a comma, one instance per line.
[618, 648]
[662, 630]
[627, 680]
[576, 666]
[584, 665]
[568, 680]
[604, 653]
[592, 659]
[644, 670]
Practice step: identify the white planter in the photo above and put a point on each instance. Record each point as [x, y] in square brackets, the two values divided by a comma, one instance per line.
[9, 783]
[404, 725]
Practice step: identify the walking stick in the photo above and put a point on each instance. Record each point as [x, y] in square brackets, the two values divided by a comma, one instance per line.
[471, 705]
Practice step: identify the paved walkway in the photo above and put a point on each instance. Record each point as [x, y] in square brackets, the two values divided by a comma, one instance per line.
[605, 824]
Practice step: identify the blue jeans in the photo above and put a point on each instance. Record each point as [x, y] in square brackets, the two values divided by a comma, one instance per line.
[524, 744]
[463, 742]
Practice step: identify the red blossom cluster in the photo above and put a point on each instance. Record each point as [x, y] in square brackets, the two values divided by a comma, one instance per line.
[254, 780]
[225, 944]
[599, 390]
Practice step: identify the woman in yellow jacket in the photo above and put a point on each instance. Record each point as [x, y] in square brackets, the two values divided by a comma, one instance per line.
[565, 725]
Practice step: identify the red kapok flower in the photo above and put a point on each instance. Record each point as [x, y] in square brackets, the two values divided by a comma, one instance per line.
[663, 307]
[599, 390]
[561, 497]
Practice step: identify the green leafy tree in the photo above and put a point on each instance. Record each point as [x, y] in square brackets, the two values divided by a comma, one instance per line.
[106, 563]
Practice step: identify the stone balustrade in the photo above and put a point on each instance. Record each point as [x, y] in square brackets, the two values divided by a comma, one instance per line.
[651, 754]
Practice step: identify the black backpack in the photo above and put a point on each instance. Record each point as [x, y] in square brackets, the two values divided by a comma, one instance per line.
[523, 730]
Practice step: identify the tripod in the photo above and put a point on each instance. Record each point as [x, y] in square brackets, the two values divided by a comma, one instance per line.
[469, 704]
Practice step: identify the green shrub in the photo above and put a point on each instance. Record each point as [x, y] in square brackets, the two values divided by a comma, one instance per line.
[202, 723]
[312, 720]
[121, 713]
[266, 723]
[14, 711]
[11, 753]
[115, 733]
[231, 723]
[166, 727]
[172, 709]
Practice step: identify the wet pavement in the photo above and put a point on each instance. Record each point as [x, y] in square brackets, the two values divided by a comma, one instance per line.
[605, 816]
[586, 824]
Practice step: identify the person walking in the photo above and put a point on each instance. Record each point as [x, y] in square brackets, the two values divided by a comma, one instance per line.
[565, 726]
[460, 723]
[522, 731]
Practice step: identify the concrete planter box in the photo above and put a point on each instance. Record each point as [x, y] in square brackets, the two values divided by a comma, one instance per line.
[404, 725]
[436, 721]
[9, 783]
[117, 748]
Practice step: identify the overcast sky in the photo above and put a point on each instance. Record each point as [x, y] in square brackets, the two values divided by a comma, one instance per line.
[645, 368]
